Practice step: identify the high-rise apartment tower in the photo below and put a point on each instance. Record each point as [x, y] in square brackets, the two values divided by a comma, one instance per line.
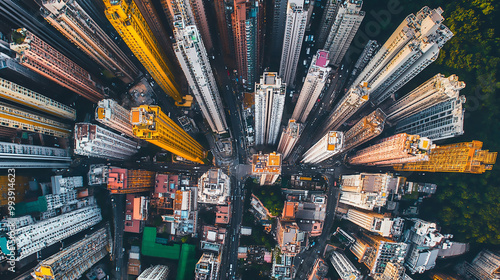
[329, 145]
[400, 148]
[73, 22]
[435, 90]
[42, 58]
[296, 19]
[151, 124]
[32, 99]
[347, 21]
[15, 117]
[193, 58]
[464, 157]
[289, 137]
[269, 105]
[441, 121]
[313, 85]
[129, 22]
[411, 48]
[94, 141]
[366, 129]
[73, 261]
[112, 115]
[247, 21]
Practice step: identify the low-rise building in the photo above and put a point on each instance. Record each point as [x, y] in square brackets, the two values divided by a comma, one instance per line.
[184, 218]
[208, 267]
[319, 271]
[223, 214]
[134, 261]
[290, 237]
[136, 212]
[213, 238]
[214, 187]
[267, 167]
[121, 180]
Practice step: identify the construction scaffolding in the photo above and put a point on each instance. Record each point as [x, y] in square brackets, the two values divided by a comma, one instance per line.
[400, 148]
[128, 21]
[72, 262]
[11, 116]
[464, 157]
[151, 124]
[42, 58]
[366, 129]
[27, 97]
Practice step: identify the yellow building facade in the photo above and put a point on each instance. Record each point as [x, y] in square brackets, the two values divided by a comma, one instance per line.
[151, 124]
[132, 27]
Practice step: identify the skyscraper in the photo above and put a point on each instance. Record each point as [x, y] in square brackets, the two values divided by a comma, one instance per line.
[73, 22]
[129, 22]
[329, 145]
[269, 105]
[296, 19]
[36, 236]
[350, 103]
[329, 13]
[94, 141]
[435, 90]
[151, 124]
[73, 261]
[278, 29]
[15, 117]
[248, 20]
[400, 148]
[367, 191]
[42, 58]
[223, 11]
[441, 121]
[31, 156]
[464, 157]
[193, 13]
[347, 21]
[111, 114]
[157, 272]
[289, 137]
[368, 52]
[412, 47]
[193, 58]
[486, 265]
[366, 129]
[371, 221]
[27, 97]
[377, 251]
[344, 266]
[313, 85]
